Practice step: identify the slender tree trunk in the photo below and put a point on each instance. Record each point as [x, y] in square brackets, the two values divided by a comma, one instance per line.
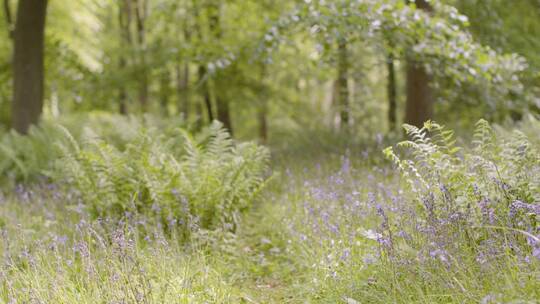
[164, 92]
[224, 114]
[419, 104]
[124, 22]
[182, 88]
[205, 92]
[263, 109]
[122, 95]
[203, 86]
[392, 93]
[263, 122]
[182, 79]
[342, 85]
[28, 64]
[141, 12]
[222, 102]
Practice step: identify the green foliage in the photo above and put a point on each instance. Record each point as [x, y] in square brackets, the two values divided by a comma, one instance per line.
[31, 158]
[27, 158]
[203, 182]
[500, 170]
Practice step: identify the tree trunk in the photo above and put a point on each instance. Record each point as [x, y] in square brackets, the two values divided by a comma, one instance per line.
[182, 88]
[164, 91]
[122, 95]
[141, 12]
[342, 85]
[124, 22]
[419, 104]
[224, 114]
[28, 64]
[182, 79]
[222, 102]
[205, 92]
[263, 109]
[392, 93]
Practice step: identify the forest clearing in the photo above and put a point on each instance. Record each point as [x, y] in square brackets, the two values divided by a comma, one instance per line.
[269, 151]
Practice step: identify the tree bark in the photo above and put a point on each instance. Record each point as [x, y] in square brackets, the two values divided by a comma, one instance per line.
[392, 93]
[419, 104]
[342, 85]
[28, 64]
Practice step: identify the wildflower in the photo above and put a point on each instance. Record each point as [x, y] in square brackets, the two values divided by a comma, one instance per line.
[488, 214]
[369, 259]
[536, 252]
[403, 234]
[82, 249]
[345, 255]
[441, 254]
[385, 242]
[519, 205]
[156, 207]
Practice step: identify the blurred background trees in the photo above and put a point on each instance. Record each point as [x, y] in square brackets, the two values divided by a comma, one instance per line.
[263, 67]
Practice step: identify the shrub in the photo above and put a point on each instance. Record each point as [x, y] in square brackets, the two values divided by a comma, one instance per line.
[186, 182]
[29, 157]
[484, 182]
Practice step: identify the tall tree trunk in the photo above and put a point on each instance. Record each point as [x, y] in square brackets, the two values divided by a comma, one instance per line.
[203, 86]
[223, 113]
[182, 78]
[124, 22]
[164, 91]
[392, 93]
[222, 102]
[419, 104]
[28, 64]
[205, 91]
[141, 12]
[122, 95]
[182, 88]
[342, 85]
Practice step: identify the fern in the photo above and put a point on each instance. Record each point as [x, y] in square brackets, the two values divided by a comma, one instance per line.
[208, 182]
[496, 170]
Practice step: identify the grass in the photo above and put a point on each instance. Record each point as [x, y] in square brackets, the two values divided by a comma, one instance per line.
[336, 228]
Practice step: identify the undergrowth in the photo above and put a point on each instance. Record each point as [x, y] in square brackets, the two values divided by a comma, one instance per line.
[169, 217]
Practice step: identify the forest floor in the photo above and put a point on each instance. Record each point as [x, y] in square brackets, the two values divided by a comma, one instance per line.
[311, 237]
